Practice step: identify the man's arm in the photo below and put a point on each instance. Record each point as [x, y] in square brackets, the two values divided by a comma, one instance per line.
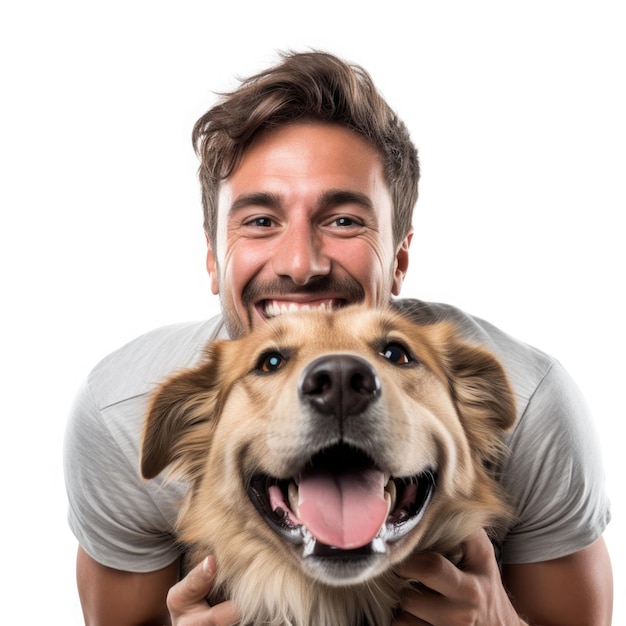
[575, 589]
[111, 597]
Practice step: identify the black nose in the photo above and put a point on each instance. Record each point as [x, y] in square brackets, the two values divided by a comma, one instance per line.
[339, 385]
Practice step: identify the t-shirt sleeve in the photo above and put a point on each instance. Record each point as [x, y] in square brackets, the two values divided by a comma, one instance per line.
[554, 474]
[119, 520]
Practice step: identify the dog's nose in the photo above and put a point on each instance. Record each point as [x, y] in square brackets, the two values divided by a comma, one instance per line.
[339, 385]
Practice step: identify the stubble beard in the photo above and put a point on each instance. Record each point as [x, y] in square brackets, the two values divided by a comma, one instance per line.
[346, 288]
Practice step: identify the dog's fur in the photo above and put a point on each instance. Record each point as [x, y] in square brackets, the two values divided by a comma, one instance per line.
[227, 421]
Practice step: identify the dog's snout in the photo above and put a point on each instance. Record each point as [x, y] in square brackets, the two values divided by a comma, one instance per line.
[339, 385]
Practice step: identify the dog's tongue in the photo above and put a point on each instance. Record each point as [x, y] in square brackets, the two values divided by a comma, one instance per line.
[344, 510]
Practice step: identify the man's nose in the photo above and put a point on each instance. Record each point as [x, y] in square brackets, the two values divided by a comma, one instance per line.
[300, 256]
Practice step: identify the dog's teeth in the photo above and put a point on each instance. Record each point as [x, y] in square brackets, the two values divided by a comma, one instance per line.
[378, 545]
[388, 501]
[309, 543]
[391, 493]
[292, 493]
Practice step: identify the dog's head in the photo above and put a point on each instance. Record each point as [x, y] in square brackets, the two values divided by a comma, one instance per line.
[343, 439]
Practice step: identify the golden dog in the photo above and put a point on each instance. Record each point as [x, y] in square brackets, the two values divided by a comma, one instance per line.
[323, 449]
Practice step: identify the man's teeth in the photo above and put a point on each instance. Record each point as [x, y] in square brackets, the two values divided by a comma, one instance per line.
[274, 309]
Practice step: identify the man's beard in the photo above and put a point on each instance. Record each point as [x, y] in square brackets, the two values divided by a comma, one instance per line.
[345, 288]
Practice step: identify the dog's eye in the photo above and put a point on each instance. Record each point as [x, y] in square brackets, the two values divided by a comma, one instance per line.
[397, 354]
[270, 362]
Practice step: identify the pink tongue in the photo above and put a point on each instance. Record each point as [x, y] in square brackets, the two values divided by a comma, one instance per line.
[346, 510]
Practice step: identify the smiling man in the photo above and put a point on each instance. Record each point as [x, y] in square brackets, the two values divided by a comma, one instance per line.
[304, 221]
[309, 182]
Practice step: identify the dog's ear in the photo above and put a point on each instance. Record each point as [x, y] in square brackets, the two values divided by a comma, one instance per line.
[481, 390]
[181, 416]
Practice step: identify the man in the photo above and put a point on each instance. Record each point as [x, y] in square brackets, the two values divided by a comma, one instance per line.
[309, 182]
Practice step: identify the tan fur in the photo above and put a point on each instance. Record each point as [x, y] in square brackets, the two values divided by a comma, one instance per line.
[222, 422]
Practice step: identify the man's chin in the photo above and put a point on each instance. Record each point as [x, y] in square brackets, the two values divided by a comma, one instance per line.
[236, 325]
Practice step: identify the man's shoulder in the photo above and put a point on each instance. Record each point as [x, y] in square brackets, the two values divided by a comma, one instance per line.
[138, 366]
[526, 365]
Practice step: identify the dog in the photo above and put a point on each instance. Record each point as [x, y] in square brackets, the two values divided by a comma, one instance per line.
[324, 448]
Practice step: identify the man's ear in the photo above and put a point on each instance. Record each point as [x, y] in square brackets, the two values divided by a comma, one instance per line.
[401, 264]
[211, 266]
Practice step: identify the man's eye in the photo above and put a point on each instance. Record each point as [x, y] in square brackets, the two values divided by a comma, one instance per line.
[397, 354]
[344, 221]
[261, 221]
[271, 362]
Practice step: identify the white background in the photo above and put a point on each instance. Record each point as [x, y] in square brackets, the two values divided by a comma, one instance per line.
[518, 112]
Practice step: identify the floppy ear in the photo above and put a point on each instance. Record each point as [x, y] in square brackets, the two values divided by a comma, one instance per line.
[181, 417]
[482, 393]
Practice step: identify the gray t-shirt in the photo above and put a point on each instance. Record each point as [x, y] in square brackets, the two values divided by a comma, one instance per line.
[554, 473]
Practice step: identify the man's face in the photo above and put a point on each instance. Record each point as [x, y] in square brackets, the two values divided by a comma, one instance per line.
[305, 220]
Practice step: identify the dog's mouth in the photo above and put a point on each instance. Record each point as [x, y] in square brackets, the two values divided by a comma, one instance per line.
[342, 504]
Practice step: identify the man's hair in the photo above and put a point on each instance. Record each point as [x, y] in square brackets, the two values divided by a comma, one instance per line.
[306, 86]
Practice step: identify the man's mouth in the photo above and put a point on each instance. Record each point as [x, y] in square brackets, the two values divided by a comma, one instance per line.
[272, 298]
[274, 307]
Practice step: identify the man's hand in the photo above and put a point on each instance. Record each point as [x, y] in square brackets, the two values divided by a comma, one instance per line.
[449, 595]
[186, 601]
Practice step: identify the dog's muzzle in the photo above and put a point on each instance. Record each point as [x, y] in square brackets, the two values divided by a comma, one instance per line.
[340, 505]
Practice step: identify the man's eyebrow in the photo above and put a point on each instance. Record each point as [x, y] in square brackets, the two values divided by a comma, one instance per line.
[255, 198]
[329, 199]
[337, 197]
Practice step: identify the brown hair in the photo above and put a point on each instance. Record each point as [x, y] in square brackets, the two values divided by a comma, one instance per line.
[305, 86]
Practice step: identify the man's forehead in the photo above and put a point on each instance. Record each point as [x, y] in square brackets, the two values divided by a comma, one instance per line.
[308, 145]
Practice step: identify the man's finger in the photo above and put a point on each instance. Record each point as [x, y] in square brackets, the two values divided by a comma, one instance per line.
[438, 574]
[192, 589]
[432, 570]
[224, 614]
[477, 551]
[187, 600]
